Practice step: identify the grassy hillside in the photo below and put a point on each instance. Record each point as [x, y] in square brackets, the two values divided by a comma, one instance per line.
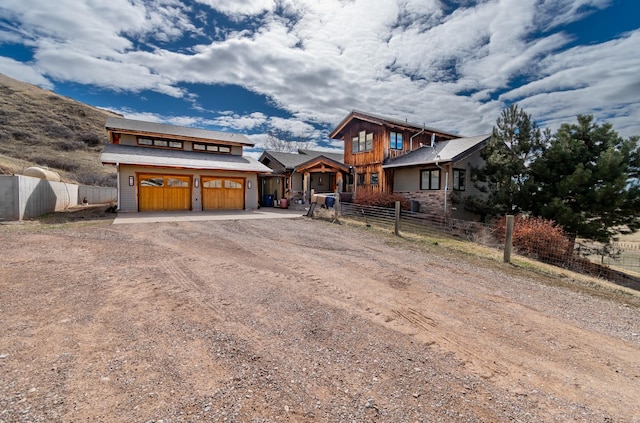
[41, 128]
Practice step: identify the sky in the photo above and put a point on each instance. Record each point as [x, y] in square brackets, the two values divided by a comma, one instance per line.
[258, 66]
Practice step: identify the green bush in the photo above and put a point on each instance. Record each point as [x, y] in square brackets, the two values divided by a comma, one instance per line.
[381, 199]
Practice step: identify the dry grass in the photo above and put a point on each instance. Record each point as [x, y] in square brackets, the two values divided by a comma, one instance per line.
[41, 128]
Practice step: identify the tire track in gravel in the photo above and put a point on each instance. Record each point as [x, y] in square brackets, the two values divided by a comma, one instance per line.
[189, 284]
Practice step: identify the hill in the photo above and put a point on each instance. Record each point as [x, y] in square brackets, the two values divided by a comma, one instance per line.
[41, 128]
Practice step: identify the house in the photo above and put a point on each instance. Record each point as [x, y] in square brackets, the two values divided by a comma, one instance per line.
[437, 177]
[167, 167]
[425, 165]
[295, 175]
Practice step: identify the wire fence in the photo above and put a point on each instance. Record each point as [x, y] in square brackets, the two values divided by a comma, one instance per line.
[620, 265]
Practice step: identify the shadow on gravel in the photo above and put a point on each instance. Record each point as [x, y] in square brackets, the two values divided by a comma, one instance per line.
[98, 212]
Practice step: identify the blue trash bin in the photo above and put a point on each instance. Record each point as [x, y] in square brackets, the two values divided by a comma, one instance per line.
[329, 201]
[268, 201]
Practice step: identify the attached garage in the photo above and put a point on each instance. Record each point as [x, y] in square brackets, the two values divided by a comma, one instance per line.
[164, 192]
[222, 193]
[173, 168]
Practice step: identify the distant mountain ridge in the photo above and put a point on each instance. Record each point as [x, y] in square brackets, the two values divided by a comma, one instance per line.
[41, 128]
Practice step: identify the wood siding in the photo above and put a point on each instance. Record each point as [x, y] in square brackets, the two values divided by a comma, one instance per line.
[369, 162]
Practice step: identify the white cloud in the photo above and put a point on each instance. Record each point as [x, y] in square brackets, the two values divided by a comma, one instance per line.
[408, 59]
[240, 8]
[23, 72]
[582, 80]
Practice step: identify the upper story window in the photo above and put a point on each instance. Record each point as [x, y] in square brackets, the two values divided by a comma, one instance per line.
[396, 140]
[430, 179]
[459, 178]
[211, 148]
[363, 142]
[160, 143]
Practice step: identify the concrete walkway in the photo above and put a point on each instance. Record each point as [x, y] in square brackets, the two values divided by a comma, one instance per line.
[156, 217]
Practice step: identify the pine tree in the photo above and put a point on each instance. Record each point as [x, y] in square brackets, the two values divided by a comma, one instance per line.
[586, 180]
[515, 142]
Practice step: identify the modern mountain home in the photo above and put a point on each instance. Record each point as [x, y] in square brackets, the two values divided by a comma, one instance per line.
[167, 167]
[428, 166]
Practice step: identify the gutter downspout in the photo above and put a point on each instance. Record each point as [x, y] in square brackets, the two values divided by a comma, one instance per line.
[118, 183]
[415, 135]
[446, 188]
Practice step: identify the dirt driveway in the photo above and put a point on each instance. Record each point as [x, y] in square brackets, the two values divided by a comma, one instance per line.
[299, 321]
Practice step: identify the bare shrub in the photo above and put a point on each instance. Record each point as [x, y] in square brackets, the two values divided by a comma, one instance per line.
[58, 131]
[69, 145]
[91, 139]
[539, 238]
[93, 179]
[381, 199]
[21, 135]
[54, 162]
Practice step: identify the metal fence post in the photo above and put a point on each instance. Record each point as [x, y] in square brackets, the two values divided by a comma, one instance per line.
[508, 239]
[397, 223]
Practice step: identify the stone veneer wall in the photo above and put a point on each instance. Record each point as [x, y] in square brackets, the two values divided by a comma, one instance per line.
[431, 202]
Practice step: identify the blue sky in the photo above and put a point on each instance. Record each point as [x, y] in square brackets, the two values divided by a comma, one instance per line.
[251, 66]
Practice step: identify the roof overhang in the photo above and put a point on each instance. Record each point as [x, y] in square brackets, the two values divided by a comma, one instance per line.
[322, 164]
[160, 130]
[144, 156]
[381, 120]
[450, 151]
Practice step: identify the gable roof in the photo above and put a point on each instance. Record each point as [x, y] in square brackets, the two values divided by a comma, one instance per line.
[131, 126]
[338, 157]
[442, 152]
[291, 160]
[381, 120]
[144, 156]
[322, 161]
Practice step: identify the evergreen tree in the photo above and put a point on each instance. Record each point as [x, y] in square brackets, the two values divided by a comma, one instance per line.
[515, 142]
[586, 180]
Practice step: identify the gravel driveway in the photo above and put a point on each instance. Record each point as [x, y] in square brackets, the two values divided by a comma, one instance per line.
[297, 321]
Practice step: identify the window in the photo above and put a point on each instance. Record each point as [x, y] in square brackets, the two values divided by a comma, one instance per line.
[211, 148]
[363, 142]
[177, 183]
[361, 178]
[160, 143]
[430, 179]
[212, 183]
[374, 178]
[459, 177]
[396, 140]
[368, 144]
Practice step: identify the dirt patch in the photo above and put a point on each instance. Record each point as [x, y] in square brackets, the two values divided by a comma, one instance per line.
[296, 320]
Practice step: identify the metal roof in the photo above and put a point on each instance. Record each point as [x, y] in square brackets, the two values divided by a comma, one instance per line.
[441, 152]
[157, 157]
[161, 129]
[291, 160]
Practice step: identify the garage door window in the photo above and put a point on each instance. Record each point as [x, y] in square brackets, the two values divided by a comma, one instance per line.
[152, 182]
[232, 184]
[215, 183]
[177, 183]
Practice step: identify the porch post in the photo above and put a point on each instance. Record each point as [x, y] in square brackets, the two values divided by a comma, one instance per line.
[306, 187]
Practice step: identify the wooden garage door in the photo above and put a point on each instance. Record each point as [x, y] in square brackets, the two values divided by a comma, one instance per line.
[164, 192]
[222, 193]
